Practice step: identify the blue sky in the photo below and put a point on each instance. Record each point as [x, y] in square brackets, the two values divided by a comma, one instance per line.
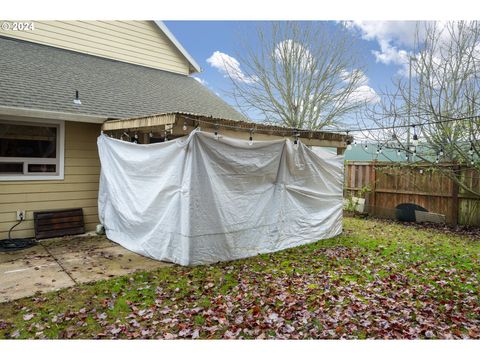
[383, 46]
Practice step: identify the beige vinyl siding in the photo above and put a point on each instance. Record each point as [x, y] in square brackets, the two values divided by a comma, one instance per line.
[78, 189]
[136, 42]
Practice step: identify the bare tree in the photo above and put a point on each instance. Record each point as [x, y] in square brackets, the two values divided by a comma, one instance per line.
[443, 86]
[299, 74]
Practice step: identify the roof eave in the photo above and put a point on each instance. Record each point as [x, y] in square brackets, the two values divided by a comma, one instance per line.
[194, 65]
[22, 112]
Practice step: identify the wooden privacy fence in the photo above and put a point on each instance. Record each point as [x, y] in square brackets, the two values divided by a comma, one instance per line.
[386, 185]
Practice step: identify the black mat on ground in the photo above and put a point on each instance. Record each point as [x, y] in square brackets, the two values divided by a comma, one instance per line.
[7, 245]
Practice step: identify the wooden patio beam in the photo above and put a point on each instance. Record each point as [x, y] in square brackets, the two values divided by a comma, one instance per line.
[144, 122]
[227, 127]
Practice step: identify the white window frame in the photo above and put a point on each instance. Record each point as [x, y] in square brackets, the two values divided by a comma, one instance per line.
[60, 151]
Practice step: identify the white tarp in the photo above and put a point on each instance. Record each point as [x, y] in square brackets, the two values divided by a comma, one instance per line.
[199, 200]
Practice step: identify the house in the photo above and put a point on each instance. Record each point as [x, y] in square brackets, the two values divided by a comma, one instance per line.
[61, 81]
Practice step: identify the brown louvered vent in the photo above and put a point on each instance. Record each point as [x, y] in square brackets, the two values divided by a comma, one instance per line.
[55, 223]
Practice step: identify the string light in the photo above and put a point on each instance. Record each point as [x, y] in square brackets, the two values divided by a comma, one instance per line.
[298, 133]
[295, 142]
[470, 152]
[415, 137]
[444, 119]
[349, 143]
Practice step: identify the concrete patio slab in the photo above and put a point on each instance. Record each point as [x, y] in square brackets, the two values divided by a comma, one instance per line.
[57, 246]
[104, 262]
[63, 262]
[29, 271]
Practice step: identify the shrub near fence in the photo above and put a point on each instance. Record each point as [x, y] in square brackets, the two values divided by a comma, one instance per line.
[392, 184]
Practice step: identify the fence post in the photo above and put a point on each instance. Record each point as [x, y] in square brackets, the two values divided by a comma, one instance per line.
[346, 178]
[455, 189]
[372, 180]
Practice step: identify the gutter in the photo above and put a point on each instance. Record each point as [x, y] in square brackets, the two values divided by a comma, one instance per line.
[51, 115]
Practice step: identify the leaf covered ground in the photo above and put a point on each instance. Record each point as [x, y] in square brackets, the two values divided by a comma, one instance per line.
[376, 280]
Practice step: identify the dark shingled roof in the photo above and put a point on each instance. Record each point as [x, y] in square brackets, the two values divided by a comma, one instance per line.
[43, 77]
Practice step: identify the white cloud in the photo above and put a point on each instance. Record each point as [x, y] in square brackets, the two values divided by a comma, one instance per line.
[228, 66]
[363, 92]
[347, 76]
[390, 54]
[396, 39]
[289, 49]
[393, 37]
[400, 32]
[201, 81]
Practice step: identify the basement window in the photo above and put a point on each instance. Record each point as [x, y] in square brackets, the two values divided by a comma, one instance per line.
[31, 150]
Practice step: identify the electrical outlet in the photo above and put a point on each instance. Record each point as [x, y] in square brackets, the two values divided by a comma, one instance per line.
[20, 215]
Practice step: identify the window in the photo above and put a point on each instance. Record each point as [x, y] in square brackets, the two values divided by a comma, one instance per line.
[31, 150]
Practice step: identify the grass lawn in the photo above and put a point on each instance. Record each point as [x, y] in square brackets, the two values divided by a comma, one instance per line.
[376, 280]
